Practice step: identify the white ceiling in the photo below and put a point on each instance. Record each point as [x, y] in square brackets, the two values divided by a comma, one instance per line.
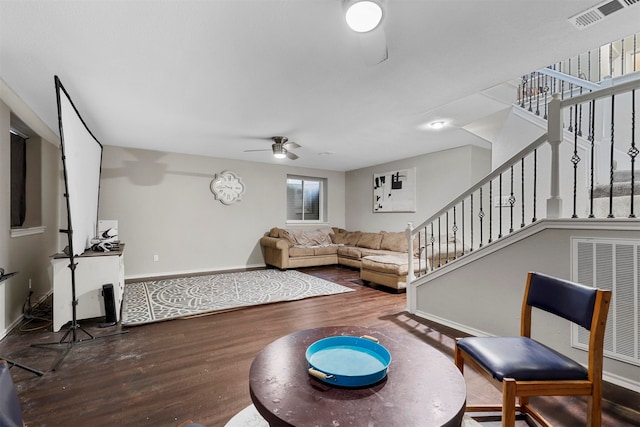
[219, 77]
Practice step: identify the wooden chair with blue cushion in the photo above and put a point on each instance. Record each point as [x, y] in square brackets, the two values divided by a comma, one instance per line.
[523, 367]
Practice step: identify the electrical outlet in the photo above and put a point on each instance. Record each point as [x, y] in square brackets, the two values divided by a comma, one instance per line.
[156, 258]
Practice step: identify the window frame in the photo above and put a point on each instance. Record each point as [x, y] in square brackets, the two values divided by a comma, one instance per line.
[322, 200]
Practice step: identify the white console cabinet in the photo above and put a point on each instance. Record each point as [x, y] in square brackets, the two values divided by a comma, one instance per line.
[93, 270]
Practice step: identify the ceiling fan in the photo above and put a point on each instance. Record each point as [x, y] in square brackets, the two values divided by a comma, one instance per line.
[281, 148]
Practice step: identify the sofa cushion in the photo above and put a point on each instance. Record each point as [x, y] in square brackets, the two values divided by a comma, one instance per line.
[326, 250]
[311, 238]
[279, 233]
[343, 237]
[297, 251]
[391, 264]
[349, 252]
[370, 240]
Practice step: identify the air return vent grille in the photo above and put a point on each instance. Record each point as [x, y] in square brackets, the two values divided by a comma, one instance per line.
[599, 12]
[611, 264]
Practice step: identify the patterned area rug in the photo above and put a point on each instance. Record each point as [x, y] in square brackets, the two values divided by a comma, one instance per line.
[250, 417]
[153, 301]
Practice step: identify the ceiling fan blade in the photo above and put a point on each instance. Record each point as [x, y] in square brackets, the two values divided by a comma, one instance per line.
[373, 46]
[291, 145]
[291, 155]
[248, 151]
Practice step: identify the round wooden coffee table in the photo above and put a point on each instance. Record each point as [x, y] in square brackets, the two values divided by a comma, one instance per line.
[422, 387]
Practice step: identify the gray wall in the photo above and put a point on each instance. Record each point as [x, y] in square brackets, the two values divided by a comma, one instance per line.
[440, 177]
[164, 207]
[27, 254]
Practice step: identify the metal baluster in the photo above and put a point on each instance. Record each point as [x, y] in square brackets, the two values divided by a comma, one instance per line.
[522, 191]
[535, 182]
[546, 92]
[579, 122]
[433, 239]
[622, 57]
[512, 201]
[561, 81]
[455, 232]
[419, 236]
[524, 90]
[570, 96]
[462, 226]
[490, 212]
[471, 220]
[633, 151]
[439, 241]
[575, 159]
[538, 89]
[611, 161]
[611, 60]
[500, 207]
[530, 91]
[481, 216]
[635, 51]
[446, 242]
[592, 121]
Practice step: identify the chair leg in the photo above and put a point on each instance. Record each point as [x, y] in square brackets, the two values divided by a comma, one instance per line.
[508, 402]
[594, 411]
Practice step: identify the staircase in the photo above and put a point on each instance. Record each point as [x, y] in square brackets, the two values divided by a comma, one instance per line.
[615, 199]
[577, 179]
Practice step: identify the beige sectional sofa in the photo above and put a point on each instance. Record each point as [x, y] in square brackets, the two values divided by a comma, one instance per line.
[381, 256]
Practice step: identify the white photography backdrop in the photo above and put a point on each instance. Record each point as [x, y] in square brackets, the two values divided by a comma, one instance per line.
[81, 159]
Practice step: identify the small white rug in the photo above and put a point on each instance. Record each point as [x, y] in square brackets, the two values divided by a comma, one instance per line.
[250, 417]
[154, 301]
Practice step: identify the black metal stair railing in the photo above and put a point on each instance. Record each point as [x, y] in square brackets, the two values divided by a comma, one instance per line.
[559, 165]
[574, 76]
[467, 227]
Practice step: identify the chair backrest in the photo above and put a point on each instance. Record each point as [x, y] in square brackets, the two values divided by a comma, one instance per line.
[563, 298]
[10, 412]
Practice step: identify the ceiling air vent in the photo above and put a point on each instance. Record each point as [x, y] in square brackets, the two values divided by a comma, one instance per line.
[599, 12]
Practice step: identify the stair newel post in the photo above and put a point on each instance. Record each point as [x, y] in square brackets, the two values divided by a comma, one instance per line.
[554, 134]
[411, 289]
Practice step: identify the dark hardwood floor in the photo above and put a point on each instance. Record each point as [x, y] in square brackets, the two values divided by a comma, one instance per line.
[165, 373]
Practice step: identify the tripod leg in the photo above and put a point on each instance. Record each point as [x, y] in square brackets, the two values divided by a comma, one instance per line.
[21, 366]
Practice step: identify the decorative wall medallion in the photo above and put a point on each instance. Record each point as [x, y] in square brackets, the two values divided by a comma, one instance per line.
[227, 187]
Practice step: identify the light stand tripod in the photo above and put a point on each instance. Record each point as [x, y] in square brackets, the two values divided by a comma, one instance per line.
[4, 277]
[70, 337]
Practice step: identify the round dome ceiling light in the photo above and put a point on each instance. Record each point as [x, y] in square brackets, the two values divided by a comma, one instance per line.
[364, 16]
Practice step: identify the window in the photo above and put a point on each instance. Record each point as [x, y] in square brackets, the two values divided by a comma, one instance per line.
[26, 192]
[306, 199]
[18, 179]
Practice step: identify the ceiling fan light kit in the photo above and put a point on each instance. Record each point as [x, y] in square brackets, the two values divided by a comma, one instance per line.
[363, 15]
[278, 151]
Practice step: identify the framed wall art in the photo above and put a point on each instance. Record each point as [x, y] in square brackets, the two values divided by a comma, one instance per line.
[395, 191]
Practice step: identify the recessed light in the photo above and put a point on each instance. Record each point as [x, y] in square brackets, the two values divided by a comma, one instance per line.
[437, 124]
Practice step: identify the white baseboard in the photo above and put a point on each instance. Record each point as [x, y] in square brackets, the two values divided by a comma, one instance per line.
[189, 272]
